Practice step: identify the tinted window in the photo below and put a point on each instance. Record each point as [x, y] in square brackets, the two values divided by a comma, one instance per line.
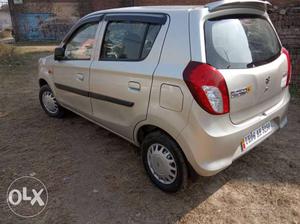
[128, 40]
[242, 42]
[150, 38]
[81, 44]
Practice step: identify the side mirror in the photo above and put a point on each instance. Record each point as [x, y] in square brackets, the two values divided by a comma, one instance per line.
[59, 53]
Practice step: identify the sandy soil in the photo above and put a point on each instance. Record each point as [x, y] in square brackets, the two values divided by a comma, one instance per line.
[94, 176]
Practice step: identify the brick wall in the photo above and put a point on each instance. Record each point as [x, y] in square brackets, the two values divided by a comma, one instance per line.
[286, 18]
[35, 20]
[107, 4]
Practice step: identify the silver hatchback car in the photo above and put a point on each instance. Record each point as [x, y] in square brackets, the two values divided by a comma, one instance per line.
[195, 87]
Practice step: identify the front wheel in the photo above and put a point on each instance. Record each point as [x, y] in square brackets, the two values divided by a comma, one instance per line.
[49, 103]
[164, 162]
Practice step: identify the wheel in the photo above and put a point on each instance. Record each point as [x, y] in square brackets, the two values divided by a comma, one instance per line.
[49, 103]
[164, 162]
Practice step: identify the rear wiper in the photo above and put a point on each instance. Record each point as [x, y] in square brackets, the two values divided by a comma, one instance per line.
[251, 65]
[229, 65]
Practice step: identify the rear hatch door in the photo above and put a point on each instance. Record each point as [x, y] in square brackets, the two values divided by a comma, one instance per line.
[247, 51]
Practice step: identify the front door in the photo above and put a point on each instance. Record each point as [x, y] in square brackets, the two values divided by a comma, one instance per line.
[72, 74]
[121, 79]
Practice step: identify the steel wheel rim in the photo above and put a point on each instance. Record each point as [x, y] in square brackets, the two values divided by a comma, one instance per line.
[161, 163]
[49, 102]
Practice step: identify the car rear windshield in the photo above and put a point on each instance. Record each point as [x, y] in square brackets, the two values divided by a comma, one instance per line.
[242, 41]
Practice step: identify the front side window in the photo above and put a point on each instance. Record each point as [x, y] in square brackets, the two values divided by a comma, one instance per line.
[80, 46]
[129, 41]
[240, 42]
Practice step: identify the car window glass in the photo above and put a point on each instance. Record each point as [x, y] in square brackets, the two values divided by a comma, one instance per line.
[81, 44]
[128, 40]
[251, 42]
[150, 38]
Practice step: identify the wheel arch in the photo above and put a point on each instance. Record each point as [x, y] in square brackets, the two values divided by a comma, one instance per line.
[145, 129]
[42, 82]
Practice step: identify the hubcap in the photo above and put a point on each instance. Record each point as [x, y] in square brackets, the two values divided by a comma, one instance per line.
[162, 163]
[49, 102]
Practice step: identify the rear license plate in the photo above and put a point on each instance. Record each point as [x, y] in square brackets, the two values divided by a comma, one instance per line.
[256, 135]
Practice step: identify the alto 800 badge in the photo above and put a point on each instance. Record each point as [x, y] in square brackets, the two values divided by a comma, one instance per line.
[241, 92]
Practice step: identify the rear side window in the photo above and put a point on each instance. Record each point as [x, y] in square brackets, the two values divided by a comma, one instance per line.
[128, 41]
[150, 38]
[240, 42]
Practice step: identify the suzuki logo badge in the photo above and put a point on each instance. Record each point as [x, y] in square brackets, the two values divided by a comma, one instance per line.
[268, 80]
[267, 83]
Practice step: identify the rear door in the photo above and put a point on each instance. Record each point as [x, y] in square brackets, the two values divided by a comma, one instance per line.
[121, 79]
[247, 51]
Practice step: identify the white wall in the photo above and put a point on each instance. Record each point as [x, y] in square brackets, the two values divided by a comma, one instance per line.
[5, 20]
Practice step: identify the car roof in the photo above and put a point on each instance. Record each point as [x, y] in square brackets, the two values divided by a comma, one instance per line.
[157, 8]
[148, 9]
[213, 6]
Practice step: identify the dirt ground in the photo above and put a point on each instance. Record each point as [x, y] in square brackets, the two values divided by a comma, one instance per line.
[94, 176]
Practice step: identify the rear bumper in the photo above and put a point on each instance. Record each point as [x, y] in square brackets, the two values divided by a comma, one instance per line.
[212, 143]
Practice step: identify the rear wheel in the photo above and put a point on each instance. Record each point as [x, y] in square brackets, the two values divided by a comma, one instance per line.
[49, 103]
[164, 162]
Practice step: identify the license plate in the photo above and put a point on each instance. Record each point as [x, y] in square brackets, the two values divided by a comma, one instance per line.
[256, 135]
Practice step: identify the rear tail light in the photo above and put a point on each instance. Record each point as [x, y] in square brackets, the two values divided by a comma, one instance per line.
[208, 87]
[289, 72]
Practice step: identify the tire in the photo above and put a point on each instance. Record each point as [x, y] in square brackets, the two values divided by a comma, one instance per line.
[52, 108]
[162, 156]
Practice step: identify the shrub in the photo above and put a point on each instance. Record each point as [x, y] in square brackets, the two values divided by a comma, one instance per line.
[7, 53]
[5, 33]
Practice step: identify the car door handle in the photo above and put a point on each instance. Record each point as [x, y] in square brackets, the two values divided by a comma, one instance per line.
[134, 85]
[79, 77]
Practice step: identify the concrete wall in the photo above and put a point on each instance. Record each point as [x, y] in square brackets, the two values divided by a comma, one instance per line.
[5, 21]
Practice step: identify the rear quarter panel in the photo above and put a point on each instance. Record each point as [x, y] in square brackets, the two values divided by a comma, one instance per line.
[174, 58]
